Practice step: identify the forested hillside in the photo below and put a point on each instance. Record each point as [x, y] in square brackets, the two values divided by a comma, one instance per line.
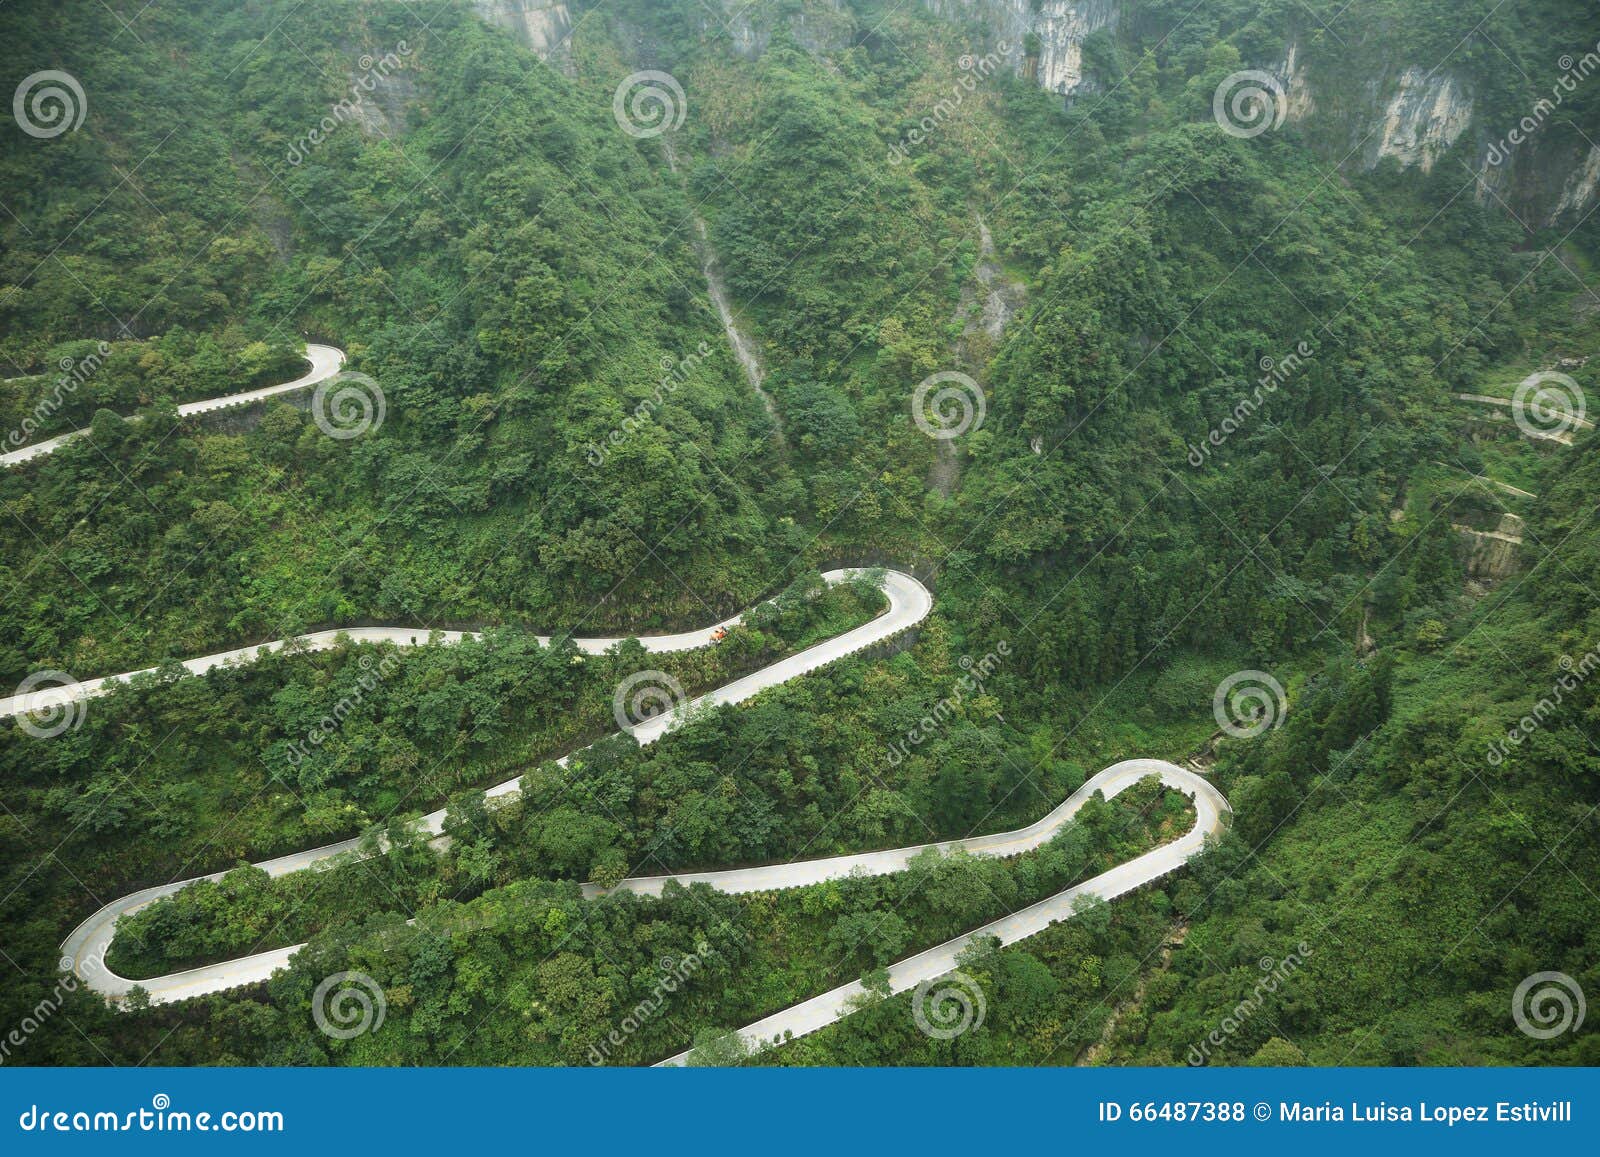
[1214, 390]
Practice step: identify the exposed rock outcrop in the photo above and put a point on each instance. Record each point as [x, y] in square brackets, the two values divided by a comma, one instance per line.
[1042, 38]
[542, 25]
[1423, 117]
[744, 349]
[1299, 103]
[820, 26]
[382, 97]
[1002, 297]
[1491, 554]
[1578, 191]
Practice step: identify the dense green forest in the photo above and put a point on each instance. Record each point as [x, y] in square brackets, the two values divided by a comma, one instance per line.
[523, 279]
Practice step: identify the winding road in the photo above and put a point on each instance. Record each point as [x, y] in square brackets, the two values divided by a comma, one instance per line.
[325, 362]
[820, 1011]
[1562, 437]
[85, 948]
[909, 603]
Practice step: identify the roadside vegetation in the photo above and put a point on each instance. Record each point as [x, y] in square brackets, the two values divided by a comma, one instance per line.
[521, 277]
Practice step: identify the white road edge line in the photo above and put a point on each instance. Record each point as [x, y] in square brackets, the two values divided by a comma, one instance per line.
[86, 946]
[910, 602]
[820, 1011]
[325, 361]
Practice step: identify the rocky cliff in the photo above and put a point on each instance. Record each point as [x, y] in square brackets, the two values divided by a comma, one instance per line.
[1424, 113]
[542, 25]
[818, 26]
[1043, 38]
[1382, 108]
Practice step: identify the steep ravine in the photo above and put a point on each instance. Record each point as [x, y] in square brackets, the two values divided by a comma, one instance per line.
[986, 310]
[743, 348]
[1002, 298]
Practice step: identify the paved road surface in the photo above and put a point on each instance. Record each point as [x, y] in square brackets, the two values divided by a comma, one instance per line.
[1564, 437]
[325, 362]
[909, 604]
[821, 1011]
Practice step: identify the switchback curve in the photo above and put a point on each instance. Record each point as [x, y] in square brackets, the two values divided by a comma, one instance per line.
[325, 362]
[86, 946]
[910, 602]
[808, 1016]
